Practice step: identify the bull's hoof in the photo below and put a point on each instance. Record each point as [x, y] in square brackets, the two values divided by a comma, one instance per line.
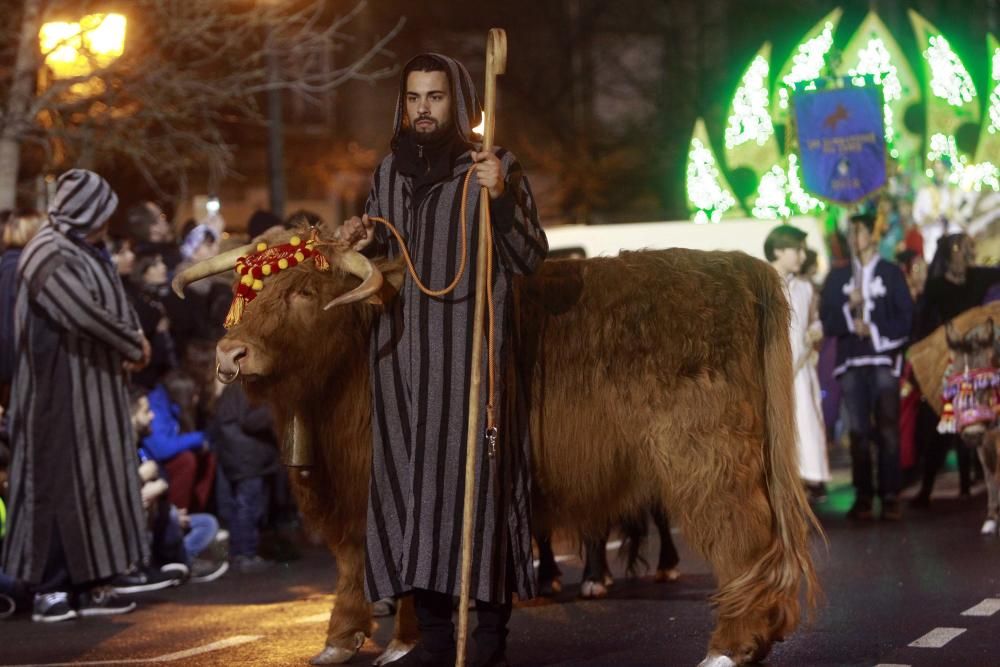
[393, 652]
[609, 581]
[989, 528]
[593, 590]
[550, 588]
[337, 655]
[663, 576]
[716, 660]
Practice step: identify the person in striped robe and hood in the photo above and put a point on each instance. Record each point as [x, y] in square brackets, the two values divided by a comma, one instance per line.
[421, 352]
[75, 515]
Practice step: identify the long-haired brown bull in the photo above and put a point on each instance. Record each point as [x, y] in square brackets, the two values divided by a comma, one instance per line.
[658, 374]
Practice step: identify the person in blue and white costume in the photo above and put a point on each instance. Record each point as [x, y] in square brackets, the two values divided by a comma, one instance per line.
[867, 306]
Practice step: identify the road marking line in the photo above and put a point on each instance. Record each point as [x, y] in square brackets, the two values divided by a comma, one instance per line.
[987, 607]
[169, 657]
[885, 664]
[937, 637]
[207, 648]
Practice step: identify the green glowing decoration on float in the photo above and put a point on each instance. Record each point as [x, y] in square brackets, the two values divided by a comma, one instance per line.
[949, 94]
[985, 171]
[767, 184]
[750, 145]
[709, 195]
[781, 195]
[806, 63]
[873, 51]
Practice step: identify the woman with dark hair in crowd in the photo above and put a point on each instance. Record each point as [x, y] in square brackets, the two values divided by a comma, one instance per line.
[147, 287]
[954, 285]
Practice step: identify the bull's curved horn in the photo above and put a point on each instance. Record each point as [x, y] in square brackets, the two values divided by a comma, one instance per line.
[221, 263]
[358, 265]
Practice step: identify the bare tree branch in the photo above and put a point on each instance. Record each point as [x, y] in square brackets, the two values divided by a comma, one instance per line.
[189, 70]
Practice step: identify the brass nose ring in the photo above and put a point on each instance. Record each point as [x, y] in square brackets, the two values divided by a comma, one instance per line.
[226, 378]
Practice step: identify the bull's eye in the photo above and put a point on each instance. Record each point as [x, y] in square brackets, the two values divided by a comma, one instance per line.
[306, 293]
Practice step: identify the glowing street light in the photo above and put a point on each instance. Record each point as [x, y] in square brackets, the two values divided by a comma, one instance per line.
[77, 49]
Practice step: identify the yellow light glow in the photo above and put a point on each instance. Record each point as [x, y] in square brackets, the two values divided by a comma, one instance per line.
[481, 128]
[76, 49]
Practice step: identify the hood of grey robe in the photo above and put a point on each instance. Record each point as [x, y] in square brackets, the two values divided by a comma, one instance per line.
[466, 110]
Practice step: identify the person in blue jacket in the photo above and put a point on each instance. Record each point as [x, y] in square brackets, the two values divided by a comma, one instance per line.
[175, 443]
[867, 307]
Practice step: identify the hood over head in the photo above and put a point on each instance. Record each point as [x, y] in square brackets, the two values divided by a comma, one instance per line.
[83, 203]
[465, 109]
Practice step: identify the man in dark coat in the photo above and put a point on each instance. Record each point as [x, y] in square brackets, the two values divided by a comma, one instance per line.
[421, 358]
[76, 515]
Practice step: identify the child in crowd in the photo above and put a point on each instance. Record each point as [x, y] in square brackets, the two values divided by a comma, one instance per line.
[182, 544]
[175, 444]
[243, 435]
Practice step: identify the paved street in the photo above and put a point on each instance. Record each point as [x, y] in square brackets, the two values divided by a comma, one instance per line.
[893, 592]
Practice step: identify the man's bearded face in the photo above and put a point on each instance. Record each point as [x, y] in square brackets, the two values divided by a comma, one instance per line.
[428, 104]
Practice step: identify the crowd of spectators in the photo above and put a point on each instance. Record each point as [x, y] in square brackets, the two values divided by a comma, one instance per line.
[205, 460]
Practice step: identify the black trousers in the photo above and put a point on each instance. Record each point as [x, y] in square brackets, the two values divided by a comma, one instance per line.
[437, 629]
[56, 575]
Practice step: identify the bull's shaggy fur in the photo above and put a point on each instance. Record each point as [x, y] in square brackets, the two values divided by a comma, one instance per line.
[668, 375]
[657, 375]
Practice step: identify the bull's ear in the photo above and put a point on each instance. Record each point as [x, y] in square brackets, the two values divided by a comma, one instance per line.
[393, 274]
[951, 336]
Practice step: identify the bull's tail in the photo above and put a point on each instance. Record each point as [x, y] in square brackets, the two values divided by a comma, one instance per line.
[775, 580]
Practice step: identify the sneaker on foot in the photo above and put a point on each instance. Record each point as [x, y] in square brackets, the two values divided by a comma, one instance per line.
[52, 608]
[142, 580]
[251, 564]
[203, 571]
[102, 601]
[177, 571]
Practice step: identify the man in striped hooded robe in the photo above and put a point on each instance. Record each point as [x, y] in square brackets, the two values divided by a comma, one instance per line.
[421, 356]
[75, 511]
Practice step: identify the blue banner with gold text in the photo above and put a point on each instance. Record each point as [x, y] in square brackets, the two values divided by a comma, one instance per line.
[841, 142]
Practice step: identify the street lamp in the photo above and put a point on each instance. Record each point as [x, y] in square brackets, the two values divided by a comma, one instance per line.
[74, 50]
[78, 48]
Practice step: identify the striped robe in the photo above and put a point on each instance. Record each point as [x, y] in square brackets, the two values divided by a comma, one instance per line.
[74, 470]
[420, 356]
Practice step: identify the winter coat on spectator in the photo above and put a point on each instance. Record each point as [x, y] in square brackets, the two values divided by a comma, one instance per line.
[149, 307]
[242, 435]
[165, 439]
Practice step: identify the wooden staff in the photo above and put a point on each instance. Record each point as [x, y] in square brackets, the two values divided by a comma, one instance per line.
[496, 63]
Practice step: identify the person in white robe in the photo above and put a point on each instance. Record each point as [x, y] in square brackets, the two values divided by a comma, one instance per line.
[785, 249]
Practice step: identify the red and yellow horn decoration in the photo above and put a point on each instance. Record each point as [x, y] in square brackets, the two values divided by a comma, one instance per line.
[255, 267]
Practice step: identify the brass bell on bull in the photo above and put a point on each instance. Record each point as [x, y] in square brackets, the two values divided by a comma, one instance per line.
[296, 446]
